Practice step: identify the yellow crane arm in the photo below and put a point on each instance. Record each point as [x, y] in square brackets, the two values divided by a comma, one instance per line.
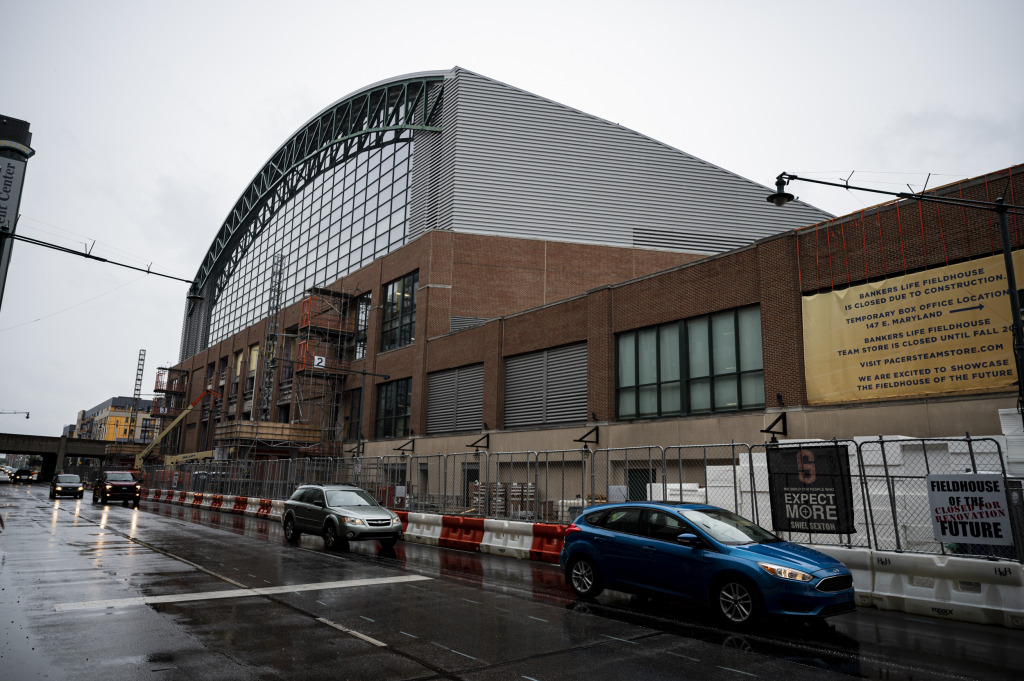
[184, 412]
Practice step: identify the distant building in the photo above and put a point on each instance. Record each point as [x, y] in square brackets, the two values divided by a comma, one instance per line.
[109, 421]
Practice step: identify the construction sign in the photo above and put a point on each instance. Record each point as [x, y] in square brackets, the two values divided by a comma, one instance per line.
[939, 331]
[810, 489]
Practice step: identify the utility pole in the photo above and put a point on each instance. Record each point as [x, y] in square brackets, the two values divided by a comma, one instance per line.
[14, 154]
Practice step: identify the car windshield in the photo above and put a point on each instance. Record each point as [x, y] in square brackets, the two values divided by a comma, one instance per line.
[120, 477]
[349, 497]
[727, 527]
[67, 478]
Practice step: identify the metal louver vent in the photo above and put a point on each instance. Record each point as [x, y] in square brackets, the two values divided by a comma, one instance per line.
[546, 387]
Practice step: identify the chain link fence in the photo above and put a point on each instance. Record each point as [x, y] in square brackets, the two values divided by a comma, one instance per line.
[888, 481]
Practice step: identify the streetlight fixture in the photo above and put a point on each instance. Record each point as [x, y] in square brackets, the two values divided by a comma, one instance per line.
[999, 207]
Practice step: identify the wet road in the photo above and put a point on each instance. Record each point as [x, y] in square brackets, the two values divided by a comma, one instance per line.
[166, 592]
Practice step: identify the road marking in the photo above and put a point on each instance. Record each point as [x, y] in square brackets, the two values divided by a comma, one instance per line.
[231, 593]
[730, 669]
[536, 618]
[407, 634]
[685, 657]
[632, 643]
[352, 632]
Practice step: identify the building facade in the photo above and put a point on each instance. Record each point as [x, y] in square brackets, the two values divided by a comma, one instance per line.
[111, 421]
[442, 262]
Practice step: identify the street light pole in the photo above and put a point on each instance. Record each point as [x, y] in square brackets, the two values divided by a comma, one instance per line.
[999, 207]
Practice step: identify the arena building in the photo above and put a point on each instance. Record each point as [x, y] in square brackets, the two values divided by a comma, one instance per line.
[442, 262]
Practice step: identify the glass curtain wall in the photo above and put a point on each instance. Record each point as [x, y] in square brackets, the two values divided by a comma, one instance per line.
[339, 222]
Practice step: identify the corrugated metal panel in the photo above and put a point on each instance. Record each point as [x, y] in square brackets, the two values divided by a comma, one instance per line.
[524, 390]
[530, 167]
[469, 413]
[546, 387]
[441, 402]
[455, 399]
[566, 395]
[432, 185]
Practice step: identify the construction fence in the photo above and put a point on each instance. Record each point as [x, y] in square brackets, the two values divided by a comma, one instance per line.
[886, 483]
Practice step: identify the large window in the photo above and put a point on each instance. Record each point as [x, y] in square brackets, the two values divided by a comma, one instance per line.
[693, 366]
[361, 310]
[399, 320]
[394, 402]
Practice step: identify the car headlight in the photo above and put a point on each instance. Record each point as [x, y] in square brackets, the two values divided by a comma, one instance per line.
[138, 486]
[59, 488]
[80, 488]
[396, 521]
[110, 487]
[786, 573]
[351, 521]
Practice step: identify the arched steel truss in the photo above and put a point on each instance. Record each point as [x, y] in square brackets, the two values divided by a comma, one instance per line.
[386, 114]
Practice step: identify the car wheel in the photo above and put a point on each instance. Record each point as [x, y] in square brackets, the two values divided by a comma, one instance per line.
[135, 504]
[584, 577]
[291, 533]
[53, 495]
[388, 543]
[331, 541]
[81, 494]
[736, 602]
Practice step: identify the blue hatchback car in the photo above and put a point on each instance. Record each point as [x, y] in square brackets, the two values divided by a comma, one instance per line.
[707, 554]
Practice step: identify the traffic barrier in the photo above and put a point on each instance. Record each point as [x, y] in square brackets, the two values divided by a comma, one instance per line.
[949, 587]
[423, 528]
[216, 502]
[189, 498]
[861, 566]
[156, 494]
[240, 505]
[276, 509]
[264, 508]
[507, 538]
[547, 542]
[182, 498]
[197, 500]
[253, 508]
[461, 533]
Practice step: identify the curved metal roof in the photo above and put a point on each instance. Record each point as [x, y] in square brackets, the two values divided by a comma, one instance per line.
[383, 113]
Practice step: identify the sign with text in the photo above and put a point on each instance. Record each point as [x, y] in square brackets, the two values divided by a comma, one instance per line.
[939, 331]
[12, 174]
[810, 489]
[969, 509]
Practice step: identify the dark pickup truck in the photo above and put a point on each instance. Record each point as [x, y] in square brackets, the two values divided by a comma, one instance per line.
[116, 486]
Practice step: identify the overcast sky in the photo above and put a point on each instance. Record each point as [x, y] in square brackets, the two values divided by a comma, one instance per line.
[149, 119]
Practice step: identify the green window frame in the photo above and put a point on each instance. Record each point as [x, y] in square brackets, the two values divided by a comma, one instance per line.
[707, 364]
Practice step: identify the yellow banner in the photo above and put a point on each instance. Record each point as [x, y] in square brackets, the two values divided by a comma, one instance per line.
[939, 331]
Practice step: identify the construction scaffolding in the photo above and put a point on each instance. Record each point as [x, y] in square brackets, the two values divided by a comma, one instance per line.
[326, 343]
[171, 386]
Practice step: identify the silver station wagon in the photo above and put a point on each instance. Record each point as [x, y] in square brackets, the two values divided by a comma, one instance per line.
[339, 514]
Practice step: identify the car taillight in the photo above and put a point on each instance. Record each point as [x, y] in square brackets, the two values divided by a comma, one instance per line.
[572, 528]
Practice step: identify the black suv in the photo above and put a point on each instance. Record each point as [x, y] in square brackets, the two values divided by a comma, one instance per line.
[66, 485]
[118, 486]
[339, 514]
